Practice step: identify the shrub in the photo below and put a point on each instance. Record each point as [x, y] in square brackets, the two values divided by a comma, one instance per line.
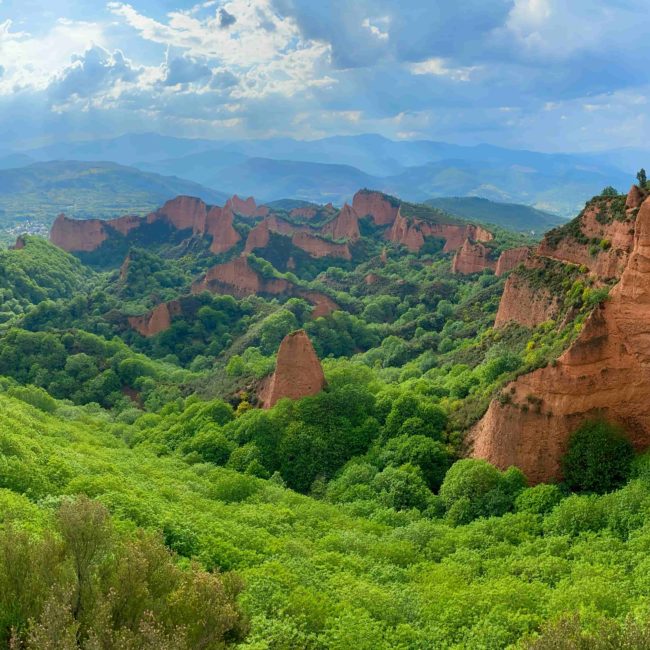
[576, 514]
[538, 500]
[598, 458]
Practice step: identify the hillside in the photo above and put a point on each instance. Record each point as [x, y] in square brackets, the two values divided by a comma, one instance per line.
[36, 193]
[301, 426]
[514, 216]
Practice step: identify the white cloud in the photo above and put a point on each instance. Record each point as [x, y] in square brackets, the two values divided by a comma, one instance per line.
[30, 62]
[375, 30]
[439, 67]
[245, 37]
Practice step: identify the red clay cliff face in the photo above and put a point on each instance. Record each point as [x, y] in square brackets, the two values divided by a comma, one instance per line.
[382, 209]
[605, 373]
[520, 303]
[298, 372]
[218, 224]
[247, 207]
[635, 198]
[318, 247]
[75, 235]
[157, 320]
[184, 213]
[512, 258]
[607, 263]
[471, 257]
[344, 226]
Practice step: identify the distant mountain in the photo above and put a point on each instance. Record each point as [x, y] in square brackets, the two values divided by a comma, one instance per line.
[270, 180]
[333, 168]
[513, 216]
[125, 150]
[41, 191]
[13, 160]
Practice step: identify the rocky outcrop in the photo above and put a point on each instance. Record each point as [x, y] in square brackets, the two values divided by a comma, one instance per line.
[526, 305]
[635, 198]
[158, 320]
[344, 226]
[381, 207]
[239, 279]
[406, 233]
[311, 211]
[76, 235]
[411, 232]
[511, 258]
[323, 305]
[298, 372]
[472, 257]
[183, 213]
[20, 243]
[218, 225]
[604, 373]
[318, 247]
[607, 260]
[247, 207]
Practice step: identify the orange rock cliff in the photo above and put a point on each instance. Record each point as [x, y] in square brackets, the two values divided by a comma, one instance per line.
[298, 372]
[472, 257]
[604, 373]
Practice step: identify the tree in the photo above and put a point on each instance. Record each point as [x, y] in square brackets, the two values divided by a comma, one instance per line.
[641, 177]
[598, 458]
[609, 191]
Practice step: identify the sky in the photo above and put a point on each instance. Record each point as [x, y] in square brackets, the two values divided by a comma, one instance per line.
[547, 75]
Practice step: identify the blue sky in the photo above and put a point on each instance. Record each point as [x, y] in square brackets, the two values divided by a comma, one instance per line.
[550, 75]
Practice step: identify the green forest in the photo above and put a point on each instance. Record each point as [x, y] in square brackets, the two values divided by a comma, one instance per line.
[147, 500]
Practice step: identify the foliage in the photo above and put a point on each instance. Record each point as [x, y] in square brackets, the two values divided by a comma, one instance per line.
[598, 458]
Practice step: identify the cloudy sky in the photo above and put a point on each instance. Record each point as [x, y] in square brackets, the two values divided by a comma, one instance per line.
[551, 75]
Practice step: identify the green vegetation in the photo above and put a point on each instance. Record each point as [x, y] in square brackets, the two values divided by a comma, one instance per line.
[147, 502]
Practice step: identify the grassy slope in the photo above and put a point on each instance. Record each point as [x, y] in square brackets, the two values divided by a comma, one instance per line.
[523, 218]
[315, 574]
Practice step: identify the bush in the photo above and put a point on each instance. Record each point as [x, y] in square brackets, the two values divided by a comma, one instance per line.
[538, 500]
[576, 514]
[473, 488]
[598, 459]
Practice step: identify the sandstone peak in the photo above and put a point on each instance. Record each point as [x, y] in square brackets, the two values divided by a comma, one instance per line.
[471, 257]
[77, 235]
[247, 207]
[298, 372]
[345, 225]
[512, 258]
[157, 320]
[381, 207]
[219, 225]
[635, 198]
[183, 212]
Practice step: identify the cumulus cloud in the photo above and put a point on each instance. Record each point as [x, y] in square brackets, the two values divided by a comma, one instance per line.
[185, 70]
[88, 73]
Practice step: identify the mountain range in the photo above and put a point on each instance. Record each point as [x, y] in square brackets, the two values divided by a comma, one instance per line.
[331, 169]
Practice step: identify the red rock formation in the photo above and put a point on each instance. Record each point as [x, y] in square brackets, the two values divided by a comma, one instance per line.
[344, 226]
[124, 225]
[247, 207]
[183, 212]
[635, 198]
[20, 243]
[323, 305]
[511, 258]
[411, 233]
[74, 235]
[218, 224]
[605, 373]
[124, 268]
[157, 320]
[238, 278]
[380, 207]
[406, 233]
[258, 237]
[605, 264]
[298, 372]
[471, 257]
[319, 247]
[525, 305]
